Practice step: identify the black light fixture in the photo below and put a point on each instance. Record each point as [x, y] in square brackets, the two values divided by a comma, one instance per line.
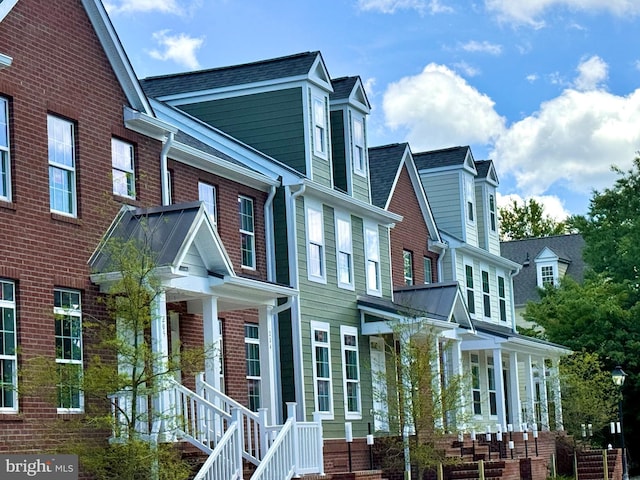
[618, 376]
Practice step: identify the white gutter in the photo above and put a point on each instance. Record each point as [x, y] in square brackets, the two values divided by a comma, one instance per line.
[268, 235]
[164, 172]
[294, 280]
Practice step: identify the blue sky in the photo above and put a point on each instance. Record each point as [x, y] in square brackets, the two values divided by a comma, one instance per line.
[548, 89]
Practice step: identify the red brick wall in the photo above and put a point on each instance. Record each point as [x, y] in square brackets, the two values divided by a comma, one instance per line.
[409, 234]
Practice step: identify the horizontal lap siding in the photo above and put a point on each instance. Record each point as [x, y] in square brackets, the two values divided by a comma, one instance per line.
[444, 194]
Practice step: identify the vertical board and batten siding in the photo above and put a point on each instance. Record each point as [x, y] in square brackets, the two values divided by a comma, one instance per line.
[271, 122]
[338, 152]
[446, 194]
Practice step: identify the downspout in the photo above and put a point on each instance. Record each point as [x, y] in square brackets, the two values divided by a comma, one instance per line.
[164, 181]
[268, 235]
[513, 273]
[294, 279]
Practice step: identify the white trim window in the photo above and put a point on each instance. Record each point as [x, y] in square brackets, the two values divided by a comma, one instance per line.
[5, 164]
[344, 251]
[502, 299]
[247, 232]
[407, 267]
[319, 127]
[321, 358]
[491, 386]
[470, 197]
[207, 195]
[359, 150]
[427, 270]
[351, 372]
[68, 332]
[62, 166]
[475, 384]
[471, 302]
[547, 275]
[372, 255]
[316, 266]
[252, 356]
[8, 348]
[122, 168]
[492, 213]
[486, 294]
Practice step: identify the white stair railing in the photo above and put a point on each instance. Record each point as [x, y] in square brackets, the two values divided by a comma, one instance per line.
[225, 461]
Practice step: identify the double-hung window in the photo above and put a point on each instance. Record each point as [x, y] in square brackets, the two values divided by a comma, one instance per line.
[252, 355]
[486, 294]
[502, 299]
[351, 372]
[8, 356]
[372, 254]
[427, 269]
[122, 170]
[407, 260]
[471, 304]
[207, 195]
[491, 382]
[470, 197]
[475, 384]
[492, 212]
[5, 165]
[315, 243]
[359, 150]
[247, 232]
[547, 275]
[344, 251]
[321, 353]
[68, 331]
[319, 127]
[62, 166]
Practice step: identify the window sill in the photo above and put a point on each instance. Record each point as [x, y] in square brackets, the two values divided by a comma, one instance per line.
[7, 205]
[11, 417]
[65, 219]
[126, 200]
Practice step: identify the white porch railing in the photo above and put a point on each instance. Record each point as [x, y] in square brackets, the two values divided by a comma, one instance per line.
[226, 459]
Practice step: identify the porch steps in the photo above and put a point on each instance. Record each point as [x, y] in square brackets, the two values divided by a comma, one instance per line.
[591, 464]
[471, 470]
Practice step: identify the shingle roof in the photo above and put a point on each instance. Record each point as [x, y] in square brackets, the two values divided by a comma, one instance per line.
[187, 139]
[441, 158]
[567, 247]
[342, 87]
[506, 332]
[261, 71]
[383, 165]
[483, 167]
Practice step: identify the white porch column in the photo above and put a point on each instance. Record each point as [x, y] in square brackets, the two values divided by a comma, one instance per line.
[515, 405]
[437, 387]
[212, 336]
[457, 369]
[557, 396]
[160, 350]
[544, 401]
[499, 381]
[268, 364]
[529, 385]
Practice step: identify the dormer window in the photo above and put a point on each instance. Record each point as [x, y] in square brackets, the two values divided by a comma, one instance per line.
[547, 275]
[470, 198]
[492, 212]
[358, 147]
[319, 127]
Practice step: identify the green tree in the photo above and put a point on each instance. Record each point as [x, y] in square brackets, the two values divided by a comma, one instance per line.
[527, 220]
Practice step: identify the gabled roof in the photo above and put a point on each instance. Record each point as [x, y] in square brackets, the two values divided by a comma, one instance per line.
[384, 162]
[445, 159]
[568, 248]
[351, 90]
[487, 171]
[293, 66]
[509, 338]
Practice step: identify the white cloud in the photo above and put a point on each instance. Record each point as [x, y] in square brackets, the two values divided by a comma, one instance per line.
[553, 206]
[180, 48]
[532, 77]
[592, 73]
[129, 6]
[465, 68]
[391, 6]
[482, 47]
[438, 108]
[528, 12]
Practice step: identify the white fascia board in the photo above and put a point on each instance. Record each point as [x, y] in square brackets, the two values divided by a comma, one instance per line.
[5, 61]
[5, 7]
[117, 56]
[343, 201]
[535, 348]
[147, 125]
[272, 288]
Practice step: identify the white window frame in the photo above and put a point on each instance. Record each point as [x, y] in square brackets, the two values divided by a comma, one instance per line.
[476, 388]
[207, 195]
[63, 313]
[64, 164]
[372, 259]
[123, 168]
[320, 127]
[502, 297]
[5, 158]
[493, 221]
[246, 234]
[344, 250]
[427, 264]
[491, 385]
[545, 277]
[321, 327]
[8, 302]
[470, 197]
[316, 247]
[253, 341]
[359, 150]
[407, 267]
[486, 294]
[345, 332]
[470, 289]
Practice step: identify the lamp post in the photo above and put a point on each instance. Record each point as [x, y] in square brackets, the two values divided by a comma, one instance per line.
[618, 376]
